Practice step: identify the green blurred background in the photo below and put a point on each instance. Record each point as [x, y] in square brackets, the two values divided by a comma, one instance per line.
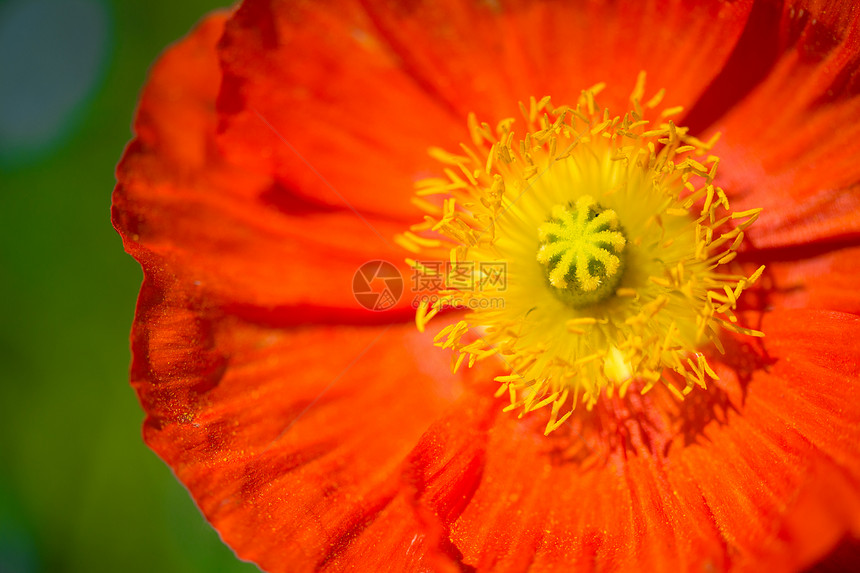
[79, 491]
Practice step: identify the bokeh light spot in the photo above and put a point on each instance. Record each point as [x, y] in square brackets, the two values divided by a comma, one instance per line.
[51, 58]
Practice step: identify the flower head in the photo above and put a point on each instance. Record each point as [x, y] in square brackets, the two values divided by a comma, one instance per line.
[619, 409]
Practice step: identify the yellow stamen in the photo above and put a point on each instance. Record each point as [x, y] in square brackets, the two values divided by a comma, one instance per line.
[613, 239]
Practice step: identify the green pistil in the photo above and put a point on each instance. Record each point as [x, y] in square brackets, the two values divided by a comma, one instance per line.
[582, 248]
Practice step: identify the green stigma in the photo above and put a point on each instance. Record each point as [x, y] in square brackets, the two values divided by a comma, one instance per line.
[582, 248]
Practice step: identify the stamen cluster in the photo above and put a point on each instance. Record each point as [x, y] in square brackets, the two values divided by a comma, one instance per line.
[616, 243]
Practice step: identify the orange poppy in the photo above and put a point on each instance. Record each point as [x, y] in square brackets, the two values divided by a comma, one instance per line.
[278, 148]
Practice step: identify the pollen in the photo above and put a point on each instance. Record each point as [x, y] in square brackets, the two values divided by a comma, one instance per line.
[587, 253]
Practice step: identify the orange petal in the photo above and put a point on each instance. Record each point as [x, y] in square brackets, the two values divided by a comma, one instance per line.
[845, 557]
[826, 281]
[291, 441]
[764, 473]
[238, 237]
[315, 96]
[555, 504]
[790, 145]
[486, 56]
[437, 483]
[343, 104]
[811, 394]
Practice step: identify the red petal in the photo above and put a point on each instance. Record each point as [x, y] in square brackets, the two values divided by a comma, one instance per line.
[290, 441]
[845, 557]
[767, 472]
[313, 95]
[486, 56]
[827, 281]
[352, 117]
[812, 392]
[437, 484]
[239, 237]
[791, 145]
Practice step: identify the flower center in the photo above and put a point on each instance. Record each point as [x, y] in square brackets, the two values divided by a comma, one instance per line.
[581, 246]
[592, 252]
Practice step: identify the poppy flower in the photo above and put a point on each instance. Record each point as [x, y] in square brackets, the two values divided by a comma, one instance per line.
[669, 380]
